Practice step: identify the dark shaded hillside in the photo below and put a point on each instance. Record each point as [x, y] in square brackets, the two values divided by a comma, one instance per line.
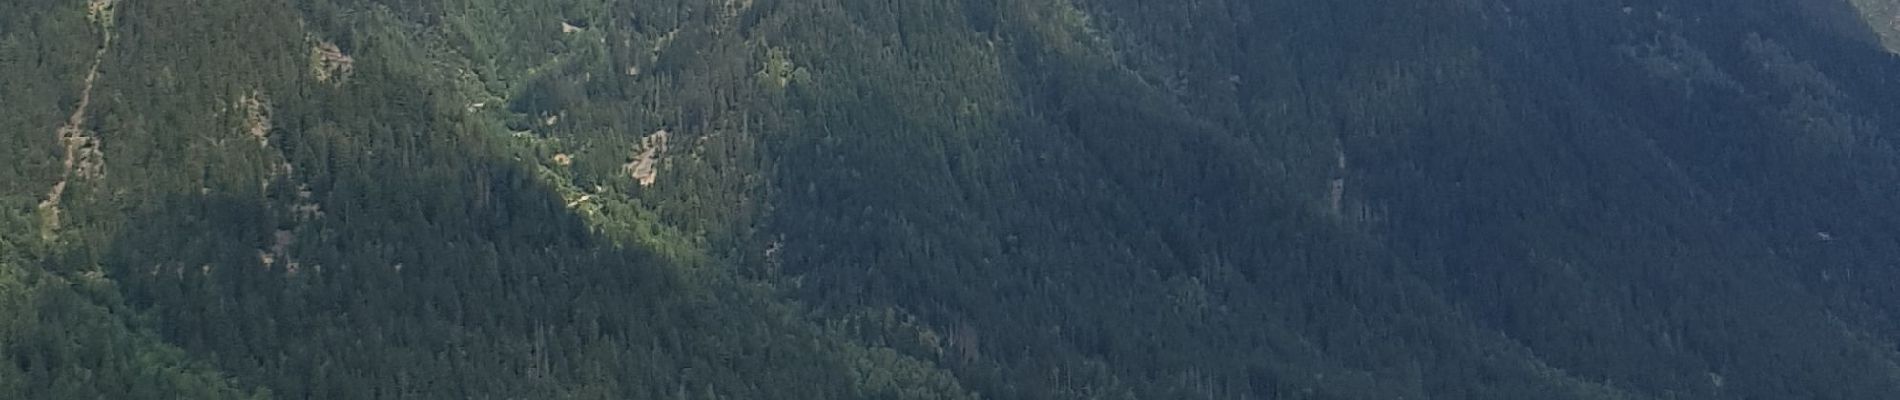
[957, 198]
[1597, 182]
[1633, 196]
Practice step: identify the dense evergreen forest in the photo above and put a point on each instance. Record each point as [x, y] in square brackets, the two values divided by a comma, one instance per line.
[1011, 199]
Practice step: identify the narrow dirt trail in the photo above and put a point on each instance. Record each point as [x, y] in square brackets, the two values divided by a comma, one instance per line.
[82, 157]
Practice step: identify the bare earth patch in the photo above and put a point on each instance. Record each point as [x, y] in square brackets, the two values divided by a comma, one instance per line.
[329, 64]
[100, 11]
[579, 201]
[257, 121]
[644, 167]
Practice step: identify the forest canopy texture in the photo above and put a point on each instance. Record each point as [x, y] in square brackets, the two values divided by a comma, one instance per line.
[949, 199]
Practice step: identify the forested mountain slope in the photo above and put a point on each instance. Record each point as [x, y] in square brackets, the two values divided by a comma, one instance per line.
[1671, 199]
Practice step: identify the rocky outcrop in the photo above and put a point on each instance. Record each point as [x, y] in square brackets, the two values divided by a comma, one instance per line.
[329, 64]
[83, 156]
[644, 166]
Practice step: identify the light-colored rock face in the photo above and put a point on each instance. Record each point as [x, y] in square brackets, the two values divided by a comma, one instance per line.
[1883, 16]
[257, 122]
[100, 11]
[329, 64]
[644, 167]
[84, 156]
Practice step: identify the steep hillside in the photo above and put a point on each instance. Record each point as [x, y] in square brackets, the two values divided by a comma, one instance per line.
[948, 199]
[1884, 18]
